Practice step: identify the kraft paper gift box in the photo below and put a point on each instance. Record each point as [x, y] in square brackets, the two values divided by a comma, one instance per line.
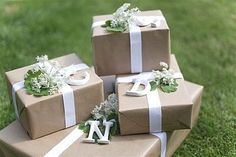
[14, 142]
[173, 112]
[112, 54]
[44, 115]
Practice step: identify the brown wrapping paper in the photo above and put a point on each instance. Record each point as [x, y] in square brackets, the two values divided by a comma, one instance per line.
[112, 49]
[44, 115]
[14, 142]
[176, 108]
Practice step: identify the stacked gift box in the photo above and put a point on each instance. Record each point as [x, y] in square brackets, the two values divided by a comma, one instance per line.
[152, 122]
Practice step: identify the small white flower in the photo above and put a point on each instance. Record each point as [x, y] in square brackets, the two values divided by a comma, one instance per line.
[35, 85]
[42, 58]
[106, 108]
[164, 65]
[123, 16]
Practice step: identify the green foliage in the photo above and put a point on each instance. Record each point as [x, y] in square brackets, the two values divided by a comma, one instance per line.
[108, 27]
[29, 85]
[154, 85]
[167, 88]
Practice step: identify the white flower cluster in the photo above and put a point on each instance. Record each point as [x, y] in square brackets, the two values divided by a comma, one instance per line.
[43, 81]
[106, 108]
[123, 15]
[165, 76]
[51, 76]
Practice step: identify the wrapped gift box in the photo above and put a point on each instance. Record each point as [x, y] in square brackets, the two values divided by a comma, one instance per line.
[15, 142]
[44, 115]
[111, 51]
[176, 108]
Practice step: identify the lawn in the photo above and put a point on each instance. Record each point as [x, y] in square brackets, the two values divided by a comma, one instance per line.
[203, 37]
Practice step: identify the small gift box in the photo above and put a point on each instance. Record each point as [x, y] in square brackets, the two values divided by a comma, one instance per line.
[15, 142]
[158, 110]
[137, 49]
[41, 115]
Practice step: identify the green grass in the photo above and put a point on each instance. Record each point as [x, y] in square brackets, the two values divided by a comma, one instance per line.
[203, 37]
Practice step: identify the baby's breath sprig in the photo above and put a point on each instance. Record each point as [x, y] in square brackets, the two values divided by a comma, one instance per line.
[44, 78]
[107, 110]
[121, 18]
[164, 79]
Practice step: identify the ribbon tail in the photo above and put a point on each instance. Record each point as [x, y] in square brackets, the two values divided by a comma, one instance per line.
[17, 86]
[163, 138]
[65, 143]
[69, 105]
[155, 115]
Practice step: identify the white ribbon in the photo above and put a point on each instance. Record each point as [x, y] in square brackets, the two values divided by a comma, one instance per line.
[155, 116]
[153, 21]
[17, 86]
[66, 90]
[135, 49]
[98, 23]
[69, 105]
[136, 38]
[65, 143]
[163, 138]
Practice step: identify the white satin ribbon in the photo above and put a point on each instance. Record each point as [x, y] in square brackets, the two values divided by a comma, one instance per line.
[69, 105]
[65, 143]
[135, 49]
[98, 23]
[17, 86]
[155, 115]
[66, 90]
[149, 20]
[163, 138]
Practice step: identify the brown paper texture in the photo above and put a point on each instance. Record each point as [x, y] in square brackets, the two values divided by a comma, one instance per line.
[14, 142]
[176, 108]
[111, 51]
[44, 115]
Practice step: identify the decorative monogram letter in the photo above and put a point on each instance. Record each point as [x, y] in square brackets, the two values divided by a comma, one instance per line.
[135, 91]
[94, 128]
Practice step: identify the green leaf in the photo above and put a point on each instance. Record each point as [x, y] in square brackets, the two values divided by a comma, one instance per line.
[153, 85]
[29, 76]
[107, 23]
[117, 29]
[84, 127]
[168, 88]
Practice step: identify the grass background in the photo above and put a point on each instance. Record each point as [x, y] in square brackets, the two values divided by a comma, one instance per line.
[203, 35]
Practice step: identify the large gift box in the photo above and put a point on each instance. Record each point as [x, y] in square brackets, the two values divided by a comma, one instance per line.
[47, 114]
[112, 52]
[157, 111]
[14, 142]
